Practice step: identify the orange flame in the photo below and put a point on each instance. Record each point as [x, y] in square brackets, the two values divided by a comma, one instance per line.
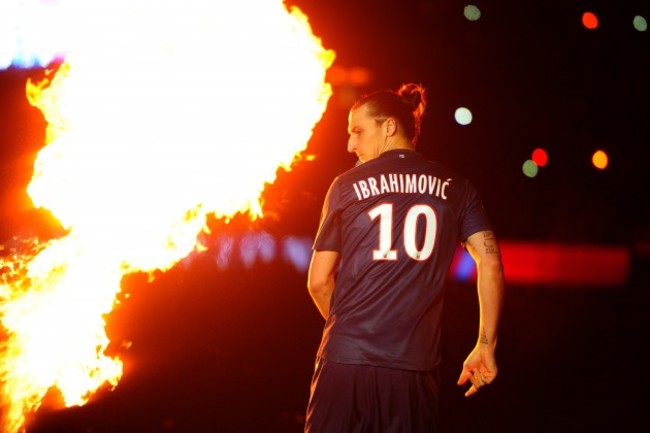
[141, 145]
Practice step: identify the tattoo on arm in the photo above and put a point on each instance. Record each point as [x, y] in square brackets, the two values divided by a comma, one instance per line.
[483, 338]
[489, 242]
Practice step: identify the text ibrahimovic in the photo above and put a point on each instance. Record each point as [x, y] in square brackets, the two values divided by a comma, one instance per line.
[401, 183]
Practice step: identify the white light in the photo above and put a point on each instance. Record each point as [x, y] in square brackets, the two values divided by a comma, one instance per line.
[463, 116]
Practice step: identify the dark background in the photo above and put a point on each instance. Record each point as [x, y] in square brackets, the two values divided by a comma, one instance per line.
[233, 350]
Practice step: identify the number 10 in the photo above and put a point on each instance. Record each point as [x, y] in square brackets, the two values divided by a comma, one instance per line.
[385, 213]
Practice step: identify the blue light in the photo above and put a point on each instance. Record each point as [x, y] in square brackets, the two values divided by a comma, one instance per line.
[259, 247]
[297, 251]
[464, 268]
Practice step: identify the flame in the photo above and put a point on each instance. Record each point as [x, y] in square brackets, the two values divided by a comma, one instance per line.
[160, 115]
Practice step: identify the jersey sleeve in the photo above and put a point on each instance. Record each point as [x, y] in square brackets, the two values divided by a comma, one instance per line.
[328, 237]
[473, 217]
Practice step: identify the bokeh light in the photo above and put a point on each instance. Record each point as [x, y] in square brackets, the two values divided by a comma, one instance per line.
[600, 159]
[640, 23]
[472, 12]
[463, 116]
[360, 76]
[529, 168]
[540, 157]
[590, 20]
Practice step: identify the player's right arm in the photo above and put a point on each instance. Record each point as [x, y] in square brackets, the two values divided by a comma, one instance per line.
[320, 280]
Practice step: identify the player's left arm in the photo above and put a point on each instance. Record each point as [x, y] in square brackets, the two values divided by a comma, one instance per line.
[320, 280]
[480, 366]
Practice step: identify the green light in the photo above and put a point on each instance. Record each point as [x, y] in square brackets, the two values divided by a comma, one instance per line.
[640, 23]
[472, 13]
[529, 168]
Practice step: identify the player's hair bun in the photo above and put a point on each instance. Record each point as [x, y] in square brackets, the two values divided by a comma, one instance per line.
[414, 95]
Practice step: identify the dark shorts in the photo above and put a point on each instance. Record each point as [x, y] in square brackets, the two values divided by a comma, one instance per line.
[347, 398]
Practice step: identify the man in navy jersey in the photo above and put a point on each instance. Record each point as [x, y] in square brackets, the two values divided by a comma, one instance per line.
[387, 236]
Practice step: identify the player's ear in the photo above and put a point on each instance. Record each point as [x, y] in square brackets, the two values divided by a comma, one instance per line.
[390, 127]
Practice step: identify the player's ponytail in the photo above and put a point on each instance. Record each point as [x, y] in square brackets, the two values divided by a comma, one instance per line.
[415, 97]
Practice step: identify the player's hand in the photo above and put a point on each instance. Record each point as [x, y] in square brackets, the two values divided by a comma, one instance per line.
[479, 369]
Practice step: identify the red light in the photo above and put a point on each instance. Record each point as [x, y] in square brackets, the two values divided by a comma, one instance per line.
[554, 264]
[590, 20]
[540, 157]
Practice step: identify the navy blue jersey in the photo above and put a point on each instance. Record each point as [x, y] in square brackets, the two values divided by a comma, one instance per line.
[396, 221]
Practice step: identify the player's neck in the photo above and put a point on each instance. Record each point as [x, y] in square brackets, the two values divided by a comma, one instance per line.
[399, 143]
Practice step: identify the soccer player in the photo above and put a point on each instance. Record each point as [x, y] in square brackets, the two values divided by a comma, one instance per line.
[388, 232]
